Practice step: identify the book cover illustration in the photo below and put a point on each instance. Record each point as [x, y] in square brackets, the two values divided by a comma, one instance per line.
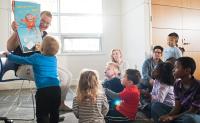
[27, 16]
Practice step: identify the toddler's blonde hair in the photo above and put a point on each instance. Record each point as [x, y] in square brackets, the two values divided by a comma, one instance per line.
[49, 46]
[115, 66]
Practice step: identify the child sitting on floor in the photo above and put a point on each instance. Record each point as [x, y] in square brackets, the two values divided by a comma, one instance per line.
[187, 94]
[126, 107]
[90, 105]
[112, 80]
[163, 90]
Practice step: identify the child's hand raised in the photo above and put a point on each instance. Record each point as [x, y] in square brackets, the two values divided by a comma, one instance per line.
[37, 47]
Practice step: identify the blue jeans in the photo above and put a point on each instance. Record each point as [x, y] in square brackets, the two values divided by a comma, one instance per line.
[6, 65]
[158, 109]
[188, 118]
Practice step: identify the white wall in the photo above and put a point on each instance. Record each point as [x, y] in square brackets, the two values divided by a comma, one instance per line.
[125, 25]
[135, 31]
[4, 24]
[111, 39]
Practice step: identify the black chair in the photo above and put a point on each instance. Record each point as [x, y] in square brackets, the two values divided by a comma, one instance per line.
[6, 65]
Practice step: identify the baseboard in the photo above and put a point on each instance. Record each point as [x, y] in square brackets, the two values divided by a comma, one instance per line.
[16, 84]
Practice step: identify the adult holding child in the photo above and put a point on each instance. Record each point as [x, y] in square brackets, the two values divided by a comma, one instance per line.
[25, 71]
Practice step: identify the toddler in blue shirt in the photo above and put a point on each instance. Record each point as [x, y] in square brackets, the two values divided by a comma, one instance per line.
[48, 95]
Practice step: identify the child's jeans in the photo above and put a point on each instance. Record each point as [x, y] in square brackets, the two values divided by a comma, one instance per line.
[47, 104]
[159, 109]
[188, 118]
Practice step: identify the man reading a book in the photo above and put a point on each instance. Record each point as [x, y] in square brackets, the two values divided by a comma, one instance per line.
[13, 41]
[25, 71]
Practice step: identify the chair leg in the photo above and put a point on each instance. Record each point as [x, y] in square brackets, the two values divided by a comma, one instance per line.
[20, 91]
[32, 97]
[33, 101]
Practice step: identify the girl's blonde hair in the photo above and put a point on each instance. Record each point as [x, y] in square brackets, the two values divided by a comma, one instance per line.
[88, 87]
[113, 50]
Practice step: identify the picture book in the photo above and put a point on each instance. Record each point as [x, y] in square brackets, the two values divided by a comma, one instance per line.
[27, 16]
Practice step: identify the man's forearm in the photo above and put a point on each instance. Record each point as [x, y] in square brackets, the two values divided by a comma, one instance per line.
[12, 42]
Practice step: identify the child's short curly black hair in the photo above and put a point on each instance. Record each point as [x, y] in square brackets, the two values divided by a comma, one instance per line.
[165, 73]
[187, 62]
[133, 75]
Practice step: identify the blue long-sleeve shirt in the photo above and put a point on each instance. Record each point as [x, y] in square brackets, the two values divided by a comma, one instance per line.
[44, 68]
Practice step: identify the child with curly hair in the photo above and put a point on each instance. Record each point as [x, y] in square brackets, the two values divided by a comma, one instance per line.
[90, 105]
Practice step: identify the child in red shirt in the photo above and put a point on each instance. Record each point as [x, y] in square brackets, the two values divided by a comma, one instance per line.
[129, 98]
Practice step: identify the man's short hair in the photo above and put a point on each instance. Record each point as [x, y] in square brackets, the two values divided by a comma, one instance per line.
[158, 47]
[47, 13]
[187, 62]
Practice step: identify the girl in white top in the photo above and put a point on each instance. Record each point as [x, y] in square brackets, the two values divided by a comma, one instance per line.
[90, 105]
[163, 90]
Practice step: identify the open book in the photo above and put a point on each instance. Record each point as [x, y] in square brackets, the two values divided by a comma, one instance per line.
[27, 16]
